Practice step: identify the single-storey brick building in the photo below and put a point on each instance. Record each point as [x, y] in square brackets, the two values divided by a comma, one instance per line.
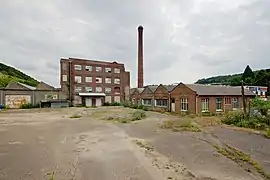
[193, 98]
[135, 95]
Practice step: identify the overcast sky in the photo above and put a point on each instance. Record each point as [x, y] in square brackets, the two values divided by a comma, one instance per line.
[184, 40]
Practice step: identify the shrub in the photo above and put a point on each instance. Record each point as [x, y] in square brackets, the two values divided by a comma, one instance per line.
[267, 133]
[106, 104]
[183, 124]
[261, 105]
[140, 106]
[115, 104]
[29, 106]
[233, 117]
[138, 115]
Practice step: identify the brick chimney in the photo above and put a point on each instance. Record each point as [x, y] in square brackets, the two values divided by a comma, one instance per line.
[140, 57]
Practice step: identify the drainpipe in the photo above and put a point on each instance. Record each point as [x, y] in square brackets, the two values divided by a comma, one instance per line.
[196, 106]
[169, 103]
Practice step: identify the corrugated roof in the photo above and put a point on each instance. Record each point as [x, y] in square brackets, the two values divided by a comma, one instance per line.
[27, 86]
[132, 90]
[140, 90]
[218, 90]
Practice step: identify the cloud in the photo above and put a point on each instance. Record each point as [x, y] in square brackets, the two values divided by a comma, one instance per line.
[183, 40]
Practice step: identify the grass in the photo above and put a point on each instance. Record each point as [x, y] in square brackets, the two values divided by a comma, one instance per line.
[267, 133]
[134, 116]
[241, 158]
[75, 116]
[183, 124]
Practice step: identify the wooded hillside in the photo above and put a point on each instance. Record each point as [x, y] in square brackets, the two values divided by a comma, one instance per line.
[260, 78]
[8, 74]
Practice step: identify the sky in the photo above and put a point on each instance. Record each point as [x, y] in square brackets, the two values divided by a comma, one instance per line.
[184, 40]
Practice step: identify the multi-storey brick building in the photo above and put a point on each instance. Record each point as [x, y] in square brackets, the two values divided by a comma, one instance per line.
[91, 83]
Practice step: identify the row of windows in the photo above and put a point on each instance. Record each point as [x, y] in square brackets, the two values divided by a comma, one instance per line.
[89, 79]
[97, 69]
[97, 89]
[204, 102]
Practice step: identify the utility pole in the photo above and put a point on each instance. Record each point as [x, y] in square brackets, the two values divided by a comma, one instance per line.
[243, 98]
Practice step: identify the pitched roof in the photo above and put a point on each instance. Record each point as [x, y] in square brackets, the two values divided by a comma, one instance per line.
[132, 90]
[170, 87]
[27, 86]
[218, 90]
[152, 87]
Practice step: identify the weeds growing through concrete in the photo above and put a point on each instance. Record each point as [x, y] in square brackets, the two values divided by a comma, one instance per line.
[183, 124]
[75, 116]
[241, 159]
[135, 116]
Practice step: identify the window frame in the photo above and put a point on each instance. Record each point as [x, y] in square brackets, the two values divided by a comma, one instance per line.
[88, 68]
[160, 102]
[107, 79]
[106, 88]
[235, 108]
[97, 82]
[108, 71]
[147, 100]
[228, 100]
[117, 79]
[205, 101]
[98, 67]
[90, 77]
[117, 70]
[182, 102]
[64, 78]
[100, 88]
[76, 79]
[88, 87]
[221, 103]
[76, 67]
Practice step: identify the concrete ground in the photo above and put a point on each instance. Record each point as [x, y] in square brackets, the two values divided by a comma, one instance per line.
[36, 143]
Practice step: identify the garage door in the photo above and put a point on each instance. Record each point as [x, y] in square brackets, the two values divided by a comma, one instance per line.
[15, 101]
[88, 102]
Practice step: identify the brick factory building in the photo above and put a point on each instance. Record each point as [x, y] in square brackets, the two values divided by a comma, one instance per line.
[92, 83]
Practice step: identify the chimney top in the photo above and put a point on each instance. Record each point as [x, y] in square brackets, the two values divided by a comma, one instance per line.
[140, 27]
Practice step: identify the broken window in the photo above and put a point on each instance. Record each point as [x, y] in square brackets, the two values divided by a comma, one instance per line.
[117, 90]
[108, 70]
[98, 80]
[219, 104]
[108, 90]
[78, 89]
[162, 102]
[88, 68]
[88, 89]
[98, 69]
[78, 79]
[98, 89]
[116, 81]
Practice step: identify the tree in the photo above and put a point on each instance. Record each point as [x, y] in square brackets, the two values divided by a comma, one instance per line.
[248, 73]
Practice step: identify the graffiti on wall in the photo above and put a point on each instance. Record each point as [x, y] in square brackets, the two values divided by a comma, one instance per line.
[15, 101]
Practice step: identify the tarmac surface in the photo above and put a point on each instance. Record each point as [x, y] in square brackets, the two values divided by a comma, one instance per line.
[34, 144]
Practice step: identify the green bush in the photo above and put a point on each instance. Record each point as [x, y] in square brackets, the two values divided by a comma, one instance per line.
[106, 104]
[138, 115]
[233, 117]
[261, 105]
[29, 106]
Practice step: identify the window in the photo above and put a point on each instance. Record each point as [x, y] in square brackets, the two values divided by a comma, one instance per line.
[108, 70]
[162, 102]
[205, 105]
[116, 81]
[116, 90]
[235, 103]
[78, 89]
[98, 80]
[184, 104]
[108, 90]
[88, 79]
[88, 68]
[64, 78]
[147, 102]
[78, 67]
[219, 104]
[116, 70]
[88, 89]
[228, 100]
[78, 79]
[108, 80]
[64, 66]
[98, 69]
[98, 89]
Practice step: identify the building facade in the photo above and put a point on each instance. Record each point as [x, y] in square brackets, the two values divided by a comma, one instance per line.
[91, 83]
[15, 94]
[193, 98]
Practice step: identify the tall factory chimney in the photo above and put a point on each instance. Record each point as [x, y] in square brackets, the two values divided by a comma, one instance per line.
[140, 57]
